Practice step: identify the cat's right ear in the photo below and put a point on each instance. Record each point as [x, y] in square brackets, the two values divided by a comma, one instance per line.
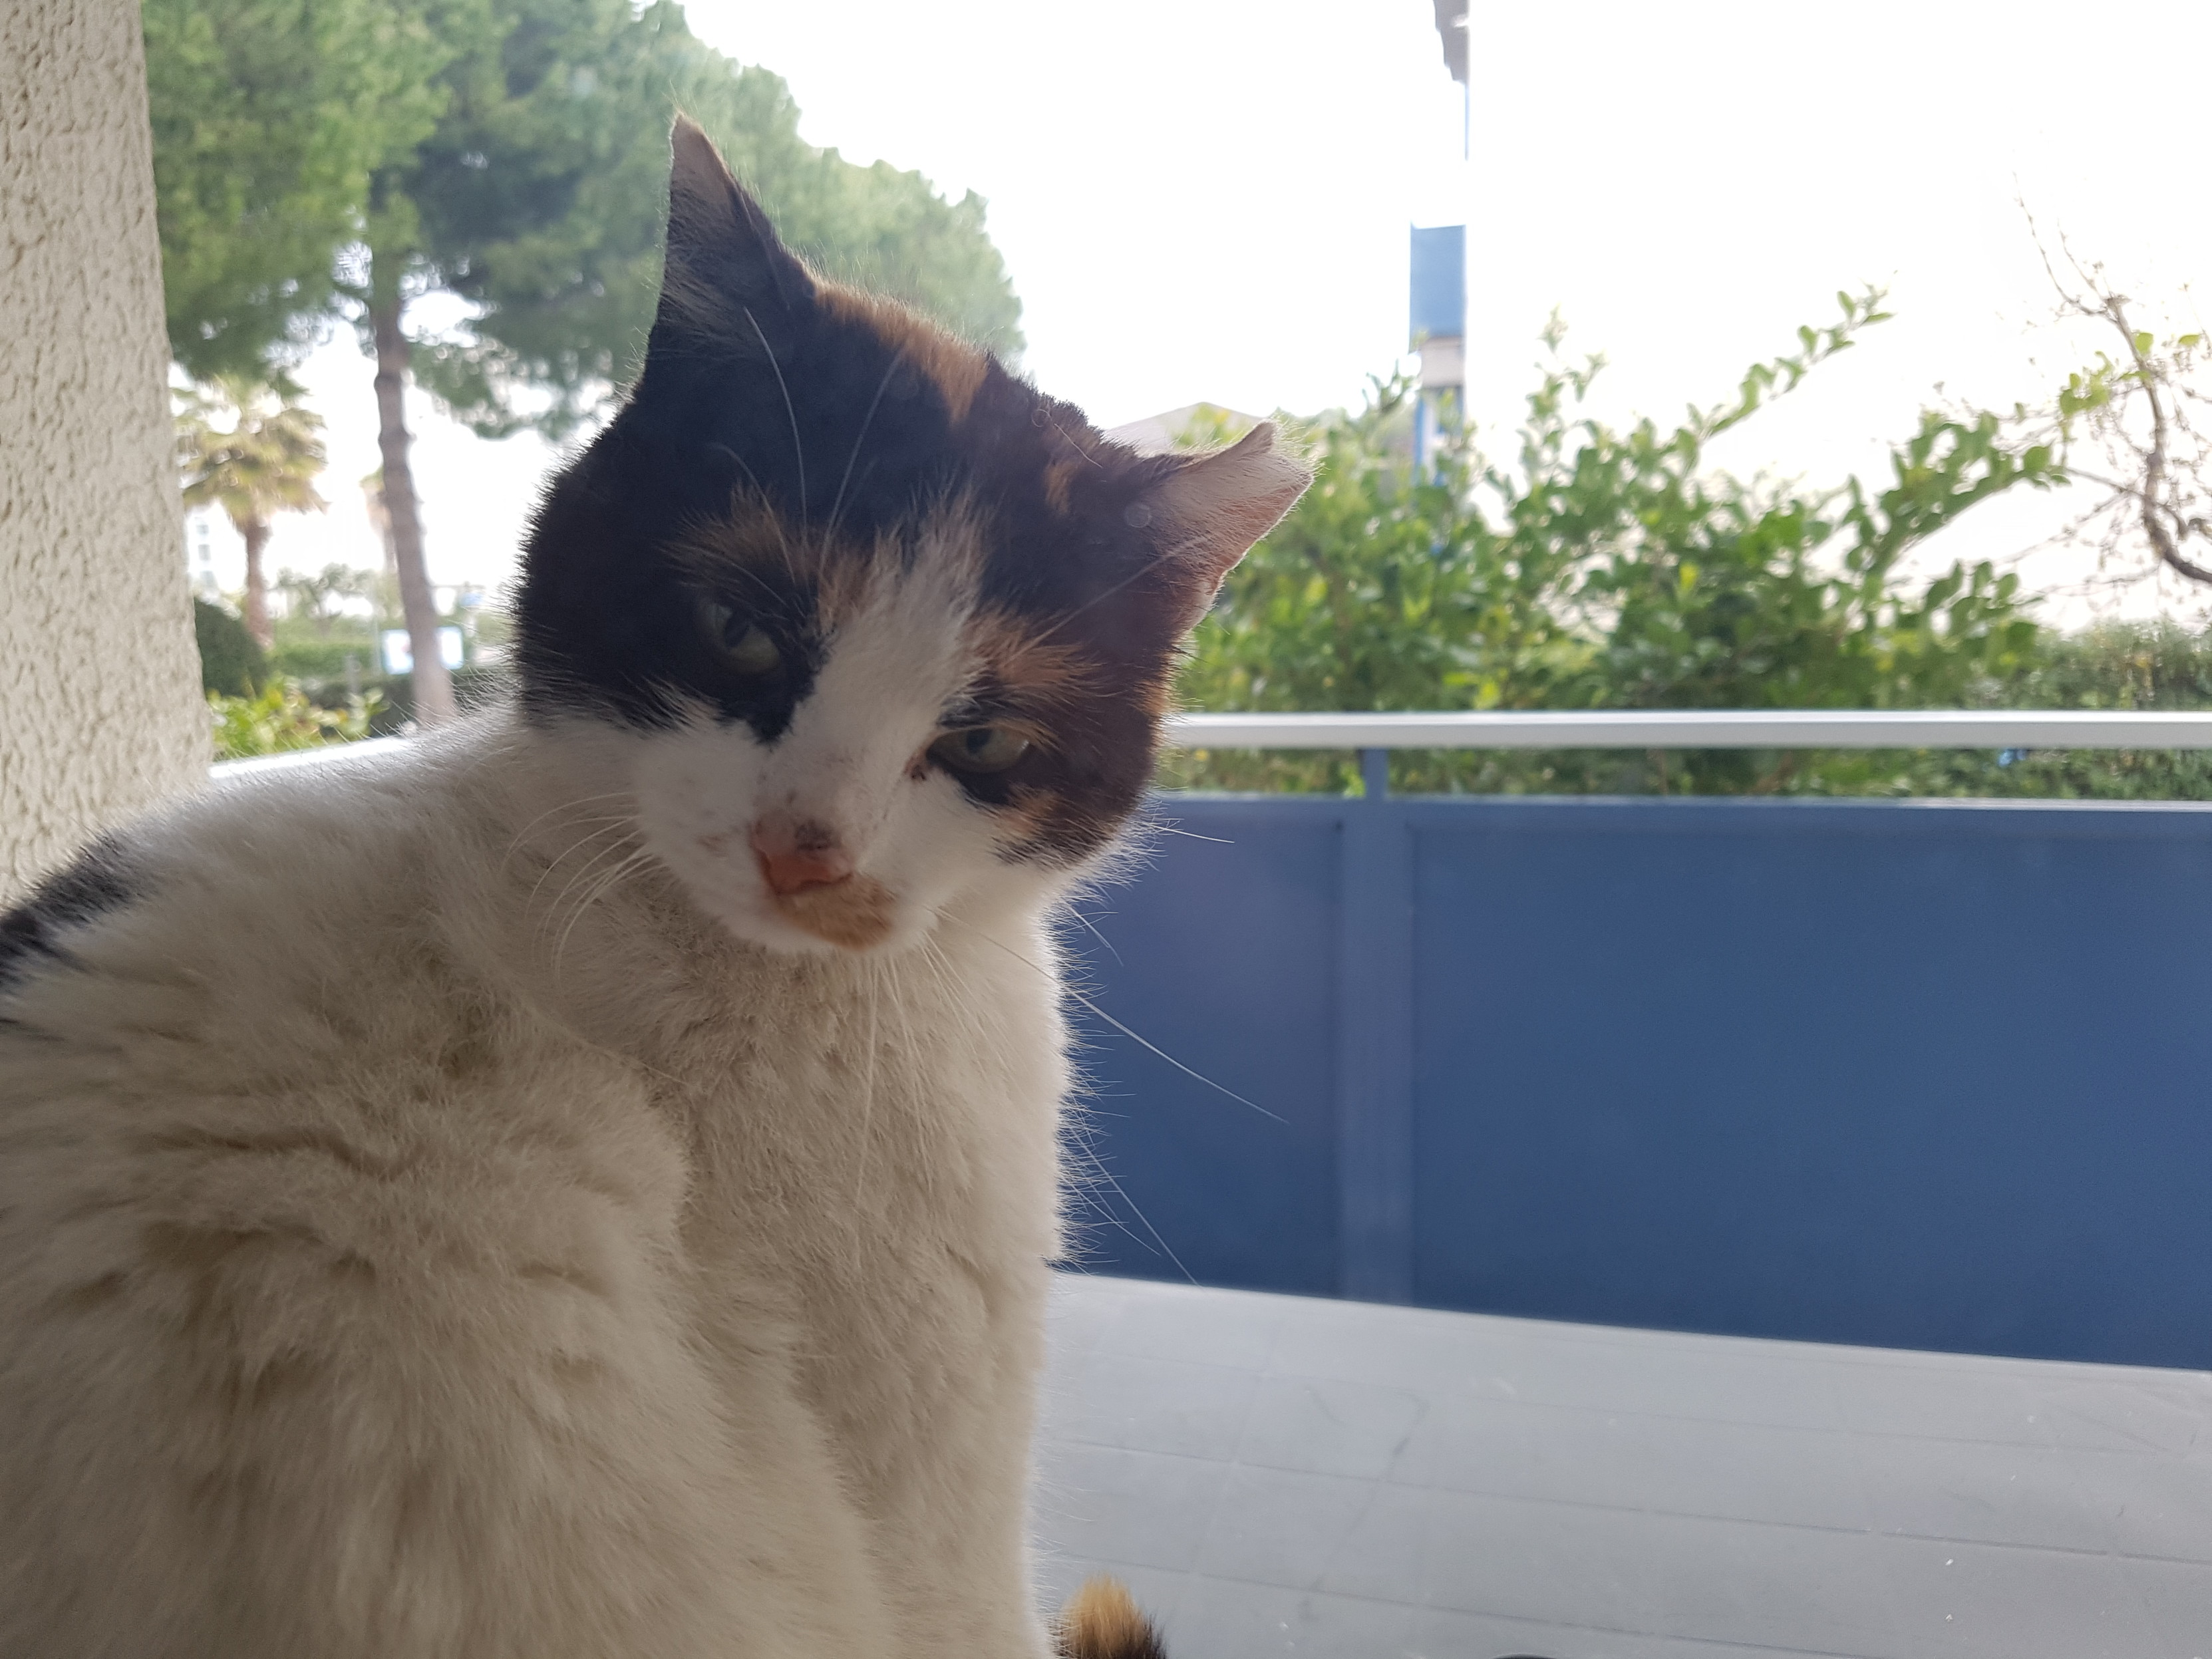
[727, 285]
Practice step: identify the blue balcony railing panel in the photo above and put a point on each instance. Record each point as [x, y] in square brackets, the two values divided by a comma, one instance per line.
[1227, 960]
[1914, 1075]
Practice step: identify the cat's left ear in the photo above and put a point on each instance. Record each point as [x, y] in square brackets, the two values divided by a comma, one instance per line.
[1204, 516]
[727, 281]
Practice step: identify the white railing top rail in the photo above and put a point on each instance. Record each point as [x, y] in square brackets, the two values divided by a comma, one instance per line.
[1702, 728]
[1665, 728]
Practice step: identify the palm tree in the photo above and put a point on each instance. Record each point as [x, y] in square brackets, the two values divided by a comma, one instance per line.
[318, 598]
[250, 450]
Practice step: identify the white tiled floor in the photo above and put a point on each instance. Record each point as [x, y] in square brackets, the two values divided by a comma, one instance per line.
[1274, 1476]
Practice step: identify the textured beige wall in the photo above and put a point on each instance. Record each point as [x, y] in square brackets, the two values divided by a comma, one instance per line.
[100, 708]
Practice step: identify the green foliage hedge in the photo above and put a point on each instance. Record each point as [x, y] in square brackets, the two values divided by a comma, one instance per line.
[323, 659]
[230, 662]
[1599, 569]
[281, 718]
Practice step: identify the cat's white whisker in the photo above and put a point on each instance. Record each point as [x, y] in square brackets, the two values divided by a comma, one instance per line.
[620, 849]
[873, 973]
[611, 826]
[1093, 928]
[623, 830]
[909, 1049]
[970, 1010]
[751, 477]
[587, 830]
[1188, 834]
[1107, 1175]
[830, 527]
[797, 449]
[606, 884]
[567, 806]
[1070, 991]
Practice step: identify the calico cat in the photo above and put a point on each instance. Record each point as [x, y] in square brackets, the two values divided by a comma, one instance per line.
[585, 1187]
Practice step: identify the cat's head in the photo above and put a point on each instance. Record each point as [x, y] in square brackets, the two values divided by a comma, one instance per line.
[872, 627]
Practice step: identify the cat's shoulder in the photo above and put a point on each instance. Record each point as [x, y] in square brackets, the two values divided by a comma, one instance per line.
[287, 969]
[230, 912]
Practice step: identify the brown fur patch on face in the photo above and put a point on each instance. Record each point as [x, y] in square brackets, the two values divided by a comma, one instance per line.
[1032, 818]
[842, 581]
[956, 369]
[1091, 744]
[1060, 477]
[751, 546]
[853, 913]
[1027, 665]
[1101, 1621]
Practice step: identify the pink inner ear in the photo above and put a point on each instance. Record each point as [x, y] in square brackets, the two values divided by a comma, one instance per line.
[1212, 511]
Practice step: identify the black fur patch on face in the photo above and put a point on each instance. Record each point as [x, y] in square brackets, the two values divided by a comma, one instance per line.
[101, 878]
[806, 425]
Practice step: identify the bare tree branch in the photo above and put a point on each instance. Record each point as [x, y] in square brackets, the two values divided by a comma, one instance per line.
[2134, 407]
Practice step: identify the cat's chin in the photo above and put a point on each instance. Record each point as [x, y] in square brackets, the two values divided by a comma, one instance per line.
[868, 921]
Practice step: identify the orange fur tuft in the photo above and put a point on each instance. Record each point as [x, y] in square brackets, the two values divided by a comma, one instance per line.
[957, 367]
[1101, 1621]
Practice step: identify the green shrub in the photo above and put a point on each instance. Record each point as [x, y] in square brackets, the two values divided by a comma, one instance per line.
[230, 662]
[323, 659]
[281, 719]
[1605, 568]
[2140, 664]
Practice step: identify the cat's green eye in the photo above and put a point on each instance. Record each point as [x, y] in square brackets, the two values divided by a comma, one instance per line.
[744, 644]
[980, 749]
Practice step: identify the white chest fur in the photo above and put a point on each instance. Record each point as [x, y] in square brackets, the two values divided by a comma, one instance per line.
[872, 1153]
[874, 1147]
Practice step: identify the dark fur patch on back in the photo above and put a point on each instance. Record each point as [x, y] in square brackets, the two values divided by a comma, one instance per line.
[101, 878]
[1101, 1621]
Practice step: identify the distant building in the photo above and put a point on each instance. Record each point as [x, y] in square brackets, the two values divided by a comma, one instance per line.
[215, 557]
[1437, 325]
[199, 557]
[1451, 29]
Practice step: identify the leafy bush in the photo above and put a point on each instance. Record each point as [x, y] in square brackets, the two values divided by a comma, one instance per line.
[323, 659]
[230, 662]
[281, 719]
[2156, 665]
[1606, 569]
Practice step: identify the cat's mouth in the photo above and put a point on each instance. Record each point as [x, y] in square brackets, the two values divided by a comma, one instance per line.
[853, 912]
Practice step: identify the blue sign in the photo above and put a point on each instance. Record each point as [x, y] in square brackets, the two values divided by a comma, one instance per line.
[1439, 285]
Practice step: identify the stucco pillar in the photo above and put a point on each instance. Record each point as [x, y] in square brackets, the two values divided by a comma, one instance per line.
[100, 708]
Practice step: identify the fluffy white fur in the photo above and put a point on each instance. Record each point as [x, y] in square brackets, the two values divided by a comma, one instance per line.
[451, 1212]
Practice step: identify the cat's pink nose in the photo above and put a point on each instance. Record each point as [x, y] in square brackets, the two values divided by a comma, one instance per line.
[796, 854]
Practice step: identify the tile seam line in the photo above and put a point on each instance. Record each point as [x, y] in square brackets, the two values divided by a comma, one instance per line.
[2051, 1549]
[1478, 1613]
[1856, 1356]
[1681, 1417]
[1780, 1350]
[1878, 1437]
[1810, 1428]
[1227, 1464]
[1269, 1373]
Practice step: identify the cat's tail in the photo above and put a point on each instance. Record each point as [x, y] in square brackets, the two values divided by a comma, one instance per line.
[1101, 1621]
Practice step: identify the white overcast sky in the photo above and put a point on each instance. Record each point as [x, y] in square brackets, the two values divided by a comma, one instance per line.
[1209, 199]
